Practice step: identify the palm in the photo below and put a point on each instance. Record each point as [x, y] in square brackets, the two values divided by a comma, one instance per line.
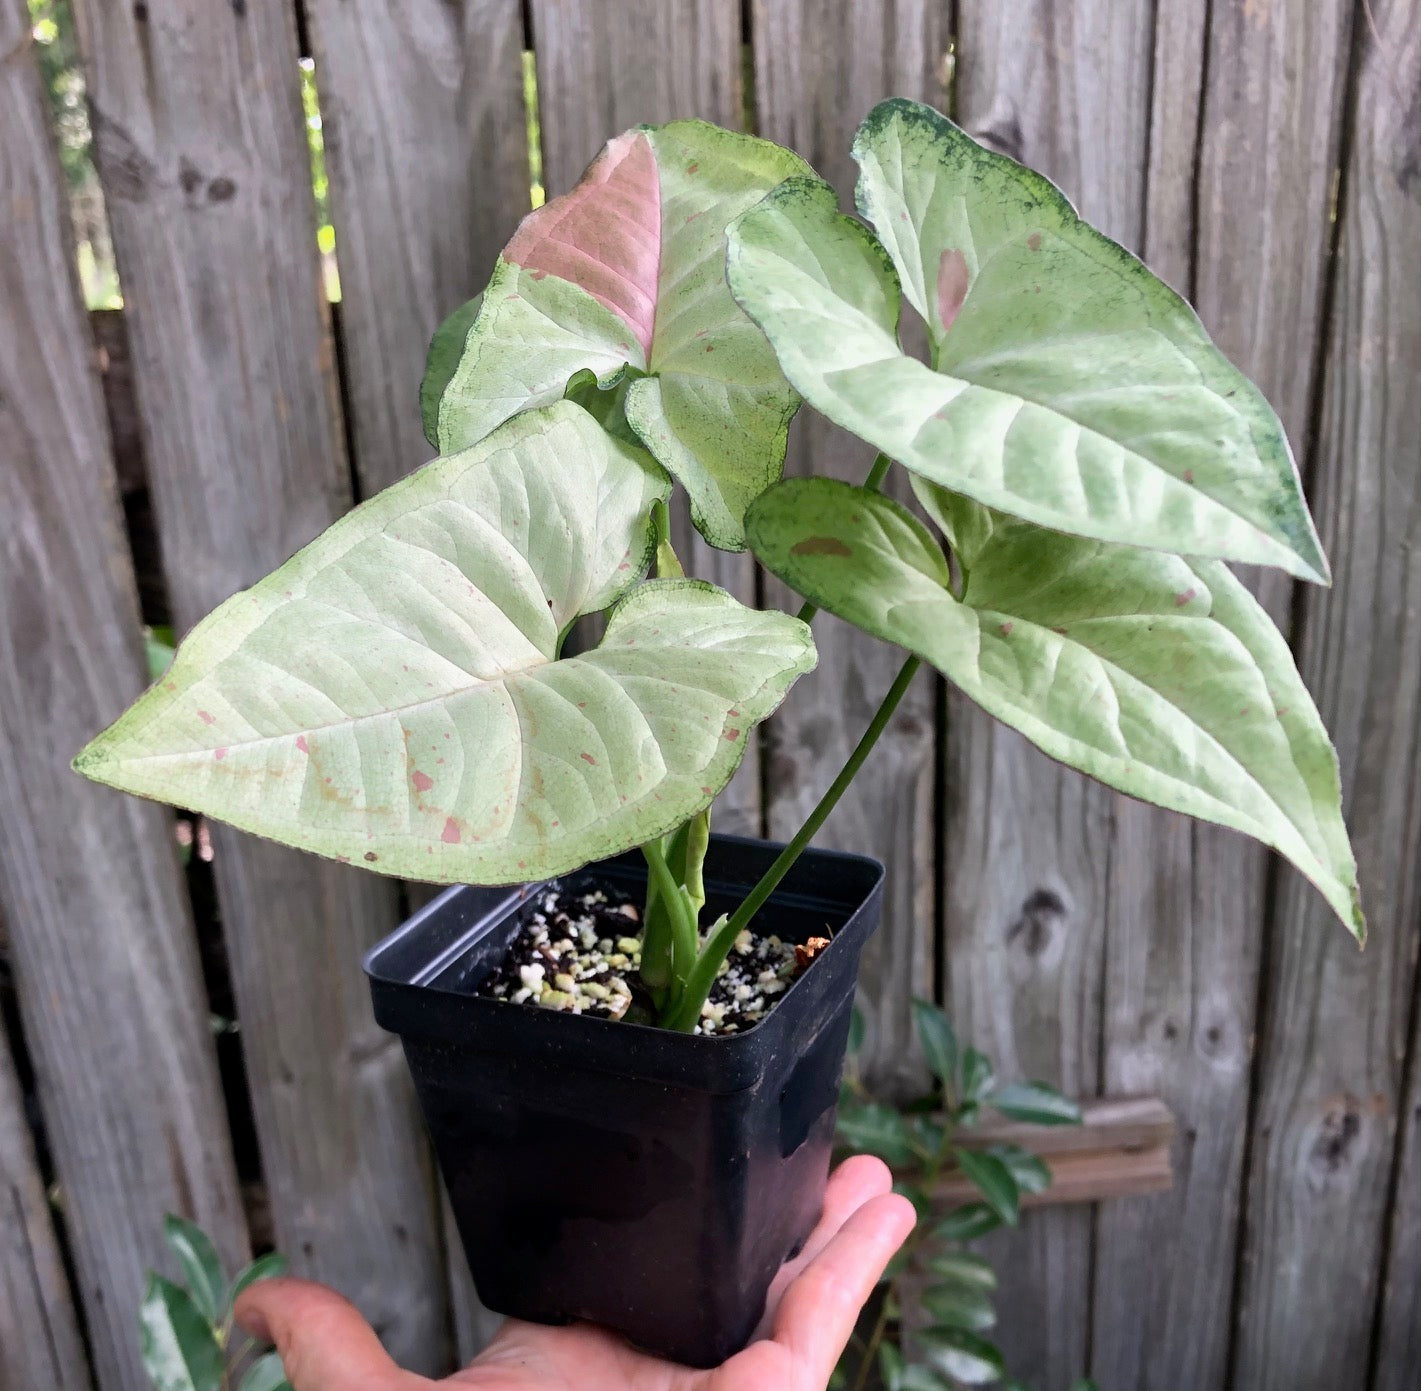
[327, 1346]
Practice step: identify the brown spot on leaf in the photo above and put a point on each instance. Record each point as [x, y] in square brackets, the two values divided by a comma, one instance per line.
[1189, 475]
[1005, 630]
[1034, 241]
[821, 545]
[693, 166]
[732, 734]
[450, 834]
[1181, 599]
[371, 856]
[587, 758]
[422, 781]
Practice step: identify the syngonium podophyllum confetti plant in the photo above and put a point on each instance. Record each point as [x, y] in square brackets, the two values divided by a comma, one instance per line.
[398, 696]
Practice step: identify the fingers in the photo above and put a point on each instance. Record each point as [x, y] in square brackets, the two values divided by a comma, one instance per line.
[818, 1311]
[324, 1341]
[851, 1185]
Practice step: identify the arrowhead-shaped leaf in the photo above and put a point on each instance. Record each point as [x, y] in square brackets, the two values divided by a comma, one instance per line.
[628, 269]
[393, 695]
[1158, 675]
[1071, 387]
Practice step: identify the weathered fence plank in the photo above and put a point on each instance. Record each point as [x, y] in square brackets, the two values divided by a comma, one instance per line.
[110, 991]
[601, 70]
[426, 147]
[1336, 1021]
[1027, 844]
[201, 145]
[427, 154]
[819, 66]
[39, 1335]
[1236, 213]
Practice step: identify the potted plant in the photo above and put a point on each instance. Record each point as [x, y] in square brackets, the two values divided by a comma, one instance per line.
[399, 696]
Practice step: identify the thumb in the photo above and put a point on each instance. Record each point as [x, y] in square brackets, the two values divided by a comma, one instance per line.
[324, 1341]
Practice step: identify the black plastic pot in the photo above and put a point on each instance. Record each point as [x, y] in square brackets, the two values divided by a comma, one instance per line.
[648, 1181]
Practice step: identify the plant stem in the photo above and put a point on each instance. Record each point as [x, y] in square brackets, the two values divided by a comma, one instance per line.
[873, 482]
[703, 974]
[684, 938]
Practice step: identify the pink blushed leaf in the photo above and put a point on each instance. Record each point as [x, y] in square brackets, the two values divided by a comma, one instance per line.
[605, 235]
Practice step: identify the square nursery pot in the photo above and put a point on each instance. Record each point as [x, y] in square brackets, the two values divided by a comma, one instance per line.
[651, 1182]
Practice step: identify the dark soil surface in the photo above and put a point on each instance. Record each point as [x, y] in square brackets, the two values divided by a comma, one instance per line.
[579, 952]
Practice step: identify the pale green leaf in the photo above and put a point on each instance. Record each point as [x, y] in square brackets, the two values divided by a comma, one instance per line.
[393, 695]
[1072, 387]
[202, 1266]
[177, 1344]
[265, 1374]
[1158, 675]
[628, 269]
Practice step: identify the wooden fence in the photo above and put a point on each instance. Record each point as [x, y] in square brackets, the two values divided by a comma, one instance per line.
[1265, 157]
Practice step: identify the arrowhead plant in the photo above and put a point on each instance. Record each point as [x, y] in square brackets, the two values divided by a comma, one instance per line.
[1085, 461]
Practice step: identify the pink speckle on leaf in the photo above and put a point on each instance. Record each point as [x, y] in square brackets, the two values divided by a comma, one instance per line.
[450, 834]
[587, 758]
[951, 286]
[219, 754]
[732, 734]
[1189, 475]
[204, 717]
[422, 781]
[1181, 599]
[1005, 630]
[301, 743]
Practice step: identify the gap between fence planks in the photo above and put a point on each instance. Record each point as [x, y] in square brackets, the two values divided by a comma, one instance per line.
[39, 1334]
[201, 146]
[110, 993]
[1121, 1149]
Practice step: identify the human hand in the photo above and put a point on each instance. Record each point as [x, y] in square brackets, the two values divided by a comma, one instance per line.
[326, 1345]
